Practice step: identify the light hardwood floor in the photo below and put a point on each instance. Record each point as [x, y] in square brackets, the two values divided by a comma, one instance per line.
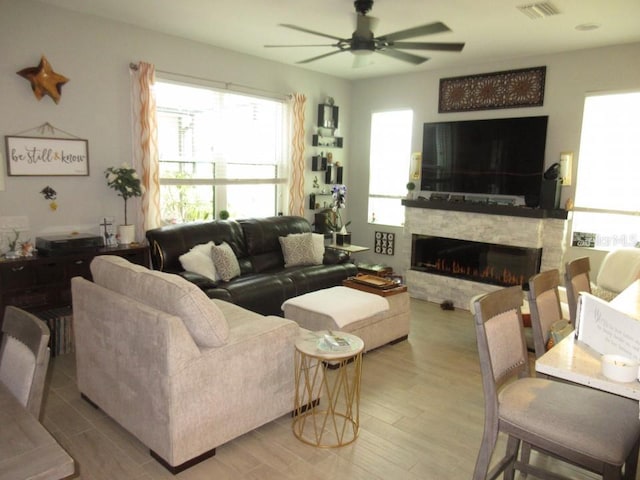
[422, 412]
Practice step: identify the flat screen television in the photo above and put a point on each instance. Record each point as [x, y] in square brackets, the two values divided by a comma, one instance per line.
[503, 156]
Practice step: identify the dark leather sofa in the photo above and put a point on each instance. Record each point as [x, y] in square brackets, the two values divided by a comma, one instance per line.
[264, 283]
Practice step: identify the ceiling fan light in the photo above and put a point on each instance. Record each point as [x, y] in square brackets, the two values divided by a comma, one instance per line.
[361, 52]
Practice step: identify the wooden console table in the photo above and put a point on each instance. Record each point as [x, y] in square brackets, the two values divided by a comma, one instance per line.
[41, 283]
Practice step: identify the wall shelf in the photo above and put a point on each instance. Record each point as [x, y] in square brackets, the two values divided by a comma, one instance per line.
[324, 141]
[318, 163]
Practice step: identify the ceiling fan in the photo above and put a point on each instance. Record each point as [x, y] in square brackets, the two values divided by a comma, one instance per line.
[363, 42]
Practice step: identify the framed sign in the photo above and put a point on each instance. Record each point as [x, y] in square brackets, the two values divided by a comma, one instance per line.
[46, 156]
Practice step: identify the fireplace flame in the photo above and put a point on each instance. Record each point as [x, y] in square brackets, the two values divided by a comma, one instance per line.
[475, 261]
[489, 274]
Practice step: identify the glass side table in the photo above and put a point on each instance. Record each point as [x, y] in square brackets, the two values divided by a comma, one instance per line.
[334, 376]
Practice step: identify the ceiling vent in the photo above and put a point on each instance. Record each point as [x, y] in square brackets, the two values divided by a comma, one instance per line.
[539, 10]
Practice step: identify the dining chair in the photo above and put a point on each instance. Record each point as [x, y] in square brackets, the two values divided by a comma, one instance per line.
[589, 428]
[576, 279]
[544, 306]
[24, 357]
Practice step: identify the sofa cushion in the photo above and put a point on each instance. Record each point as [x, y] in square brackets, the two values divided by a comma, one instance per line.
[298, 249]
[262, 239]
[200, 260]
[167, 292]
[225, 261]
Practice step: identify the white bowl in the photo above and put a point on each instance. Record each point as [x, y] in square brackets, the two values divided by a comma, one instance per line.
[619, 368]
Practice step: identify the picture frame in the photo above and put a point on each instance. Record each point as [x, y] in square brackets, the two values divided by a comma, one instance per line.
[47, 156]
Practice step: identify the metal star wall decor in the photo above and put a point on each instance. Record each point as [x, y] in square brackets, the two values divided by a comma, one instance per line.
[44, 81]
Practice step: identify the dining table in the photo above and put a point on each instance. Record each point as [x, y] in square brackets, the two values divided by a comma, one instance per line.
[27, 449]
[575, 361]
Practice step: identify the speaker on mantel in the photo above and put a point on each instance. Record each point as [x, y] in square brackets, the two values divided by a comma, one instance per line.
[550, 194]
[550, 189]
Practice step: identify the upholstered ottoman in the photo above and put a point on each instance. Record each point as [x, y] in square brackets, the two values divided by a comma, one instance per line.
[375, 319]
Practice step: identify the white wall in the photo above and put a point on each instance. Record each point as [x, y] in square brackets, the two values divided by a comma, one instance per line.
[94, 54]
[95, 105]
[569, 77]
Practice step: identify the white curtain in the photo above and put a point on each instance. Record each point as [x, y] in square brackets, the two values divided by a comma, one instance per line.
[296, 180]
[145, 145]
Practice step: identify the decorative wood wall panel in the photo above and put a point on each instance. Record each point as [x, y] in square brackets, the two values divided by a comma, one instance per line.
[488, 91]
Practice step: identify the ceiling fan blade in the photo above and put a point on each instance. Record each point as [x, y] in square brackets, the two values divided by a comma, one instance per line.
[428, 29]
[312, 32]
[321, 56]
[407, 57]
[306, 45]
[445, 47]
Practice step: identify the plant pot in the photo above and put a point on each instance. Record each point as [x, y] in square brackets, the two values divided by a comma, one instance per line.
[126, 234]
[343, 239]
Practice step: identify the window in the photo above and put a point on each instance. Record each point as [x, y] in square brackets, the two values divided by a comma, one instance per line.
[607, 204]
[390, 154]
[218, 151]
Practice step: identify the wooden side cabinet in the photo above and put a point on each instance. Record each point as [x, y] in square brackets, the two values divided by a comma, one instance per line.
[41, 283]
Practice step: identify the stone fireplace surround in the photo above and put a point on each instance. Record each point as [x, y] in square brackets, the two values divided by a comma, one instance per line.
[506, 225]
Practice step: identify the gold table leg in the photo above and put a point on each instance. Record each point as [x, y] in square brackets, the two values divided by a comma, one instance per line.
[338, 382]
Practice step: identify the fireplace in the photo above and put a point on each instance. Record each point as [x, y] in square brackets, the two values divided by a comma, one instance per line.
[490, 263]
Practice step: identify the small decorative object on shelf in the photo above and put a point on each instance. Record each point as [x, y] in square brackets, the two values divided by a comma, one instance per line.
[410, 188]
[107, 231]
[126, 182]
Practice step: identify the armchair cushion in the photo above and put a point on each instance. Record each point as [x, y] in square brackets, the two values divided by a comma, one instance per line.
[167, 292]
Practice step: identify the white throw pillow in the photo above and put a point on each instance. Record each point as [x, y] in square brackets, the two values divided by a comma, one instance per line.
[318, 248]
[200, 260]
[225, 261]
[298, 249]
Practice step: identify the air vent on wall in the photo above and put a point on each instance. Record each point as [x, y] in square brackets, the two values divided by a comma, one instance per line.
[539, 10]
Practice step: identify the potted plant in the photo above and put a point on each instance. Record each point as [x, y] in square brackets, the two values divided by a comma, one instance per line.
[223, 214]
[410, 188]
[125, 181]
[334, 219]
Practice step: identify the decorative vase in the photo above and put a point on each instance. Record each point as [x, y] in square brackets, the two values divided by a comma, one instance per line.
[126, 234]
